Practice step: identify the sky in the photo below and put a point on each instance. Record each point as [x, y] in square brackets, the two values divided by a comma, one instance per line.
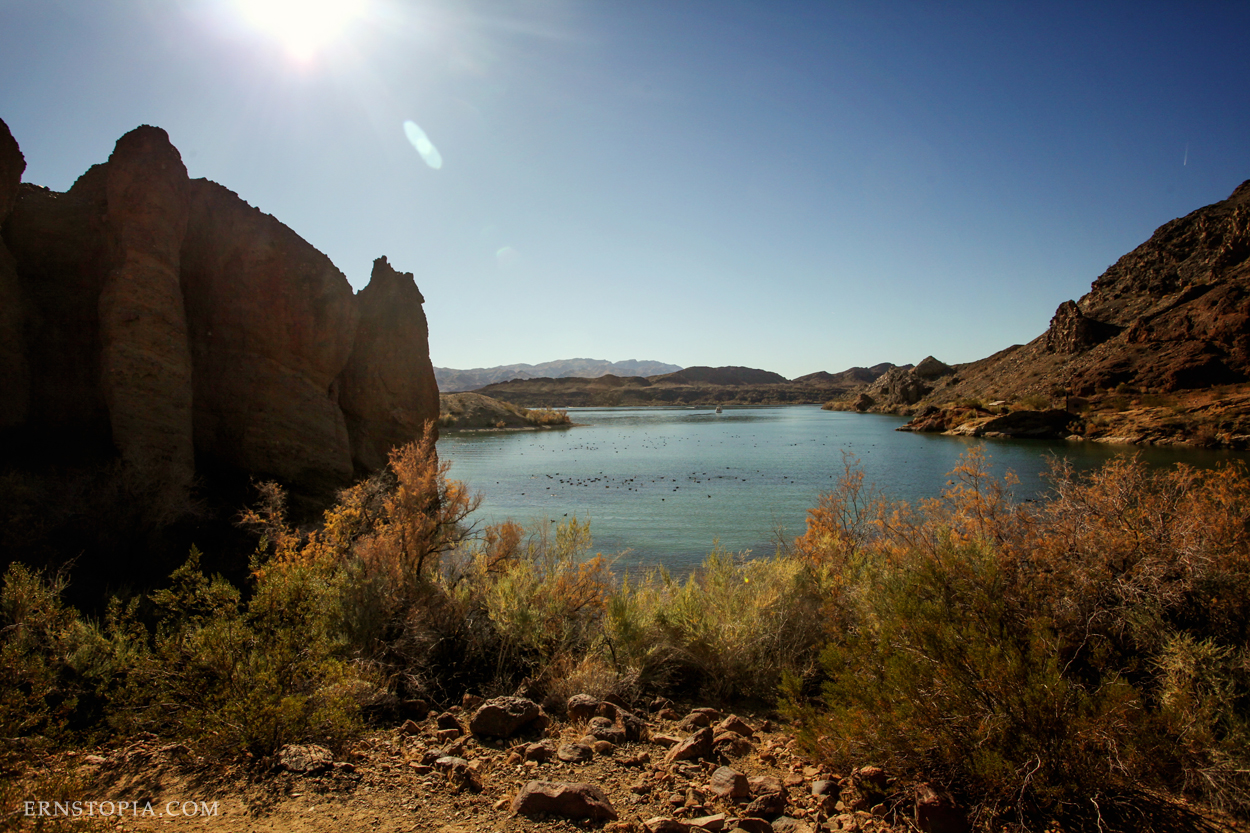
[794, 186]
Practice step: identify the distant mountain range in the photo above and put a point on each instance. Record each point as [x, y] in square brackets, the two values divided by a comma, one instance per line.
[701, 386]
[451, 380]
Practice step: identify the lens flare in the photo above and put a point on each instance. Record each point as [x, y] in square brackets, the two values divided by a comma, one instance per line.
[423, 145]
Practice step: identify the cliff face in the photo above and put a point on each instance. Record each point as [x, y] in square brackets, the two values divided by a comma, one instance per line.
[271, 323]
[167, 322]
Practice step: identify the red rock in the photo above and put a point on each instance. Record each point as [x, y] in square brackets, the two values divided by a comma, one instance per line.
[570, 800]
[575, 753]
[765, 784]
[733, 723]
[582, 707]
[751, 825]
[698, 745]
[769, 805]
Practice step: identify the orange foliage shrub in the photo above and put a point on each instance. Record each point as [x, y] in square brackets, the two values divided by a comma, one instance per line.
[1031, 656]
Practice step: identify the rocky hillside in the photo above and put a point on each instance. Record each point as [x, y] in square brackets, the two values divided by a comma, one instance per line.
[164, 320]
[451, 380]
[1158, 332]
[699, 386]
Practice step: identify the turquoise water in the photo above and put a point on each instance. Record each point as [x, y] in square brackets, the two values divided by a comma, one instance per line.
[663, 485]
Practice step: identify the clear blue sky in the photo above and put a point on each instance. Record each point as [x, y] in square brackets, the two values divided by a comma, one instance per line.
[796, 186]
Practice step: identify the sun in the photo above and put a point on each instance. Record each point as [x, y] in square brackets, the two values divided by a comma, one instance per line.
[303, 27]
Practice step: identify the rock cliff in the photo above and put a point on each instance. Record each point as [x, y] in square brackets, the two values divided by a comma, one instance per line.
[163, 321]
[14, 371]
[387, 388]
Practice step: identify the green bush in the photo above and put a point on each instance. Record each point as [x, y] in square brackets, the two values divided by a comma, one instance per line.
[729, 631]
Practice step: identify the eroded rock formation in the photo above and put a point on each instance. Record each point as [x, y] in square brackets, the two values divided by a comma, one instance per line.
[388, 387]
[145, 359]
[165, 321]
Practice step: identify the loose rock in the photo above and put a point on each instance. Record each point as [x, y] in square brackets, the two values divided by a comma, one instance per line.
[698, 745]
[570, 800]
[729, 783]
[502, 717]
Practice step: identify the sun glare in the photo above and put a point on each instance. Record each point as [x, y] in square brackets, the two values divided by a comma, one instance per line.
[303, 27]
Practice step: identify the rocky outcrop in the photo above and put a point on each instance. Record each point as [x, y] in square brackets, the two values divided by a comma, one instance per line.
[1172, 315]
[1071, 331]
[930, 368]
[387, 388]
[165, 321]
[145, 359]
[900, 386]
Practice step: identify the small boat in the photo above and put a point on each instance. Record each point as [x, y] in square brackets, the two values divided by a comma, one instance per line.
[719, 409]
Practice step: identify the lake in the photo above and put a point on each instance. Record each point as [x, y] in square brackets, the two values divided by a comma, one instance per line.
[664, 485]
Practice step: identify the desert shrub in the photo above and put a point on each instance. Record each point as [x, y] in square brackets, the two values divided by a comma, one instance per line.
[548, 416]
[251, 676]
[1047, 661]
[729, 631]
[1033, 402]
[37, 632]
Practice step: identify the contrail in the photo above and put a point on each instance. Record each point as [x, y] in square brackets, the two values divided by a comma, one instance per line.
[1186, 161]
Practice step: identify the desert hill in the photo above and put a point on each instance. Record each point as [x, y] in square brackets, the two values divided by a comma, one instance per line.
[1157, 351]
[469, 411]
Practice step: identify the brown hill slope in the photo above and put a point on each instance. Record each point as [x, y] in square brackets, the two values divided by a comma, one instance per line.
[1157, 351]
[1171, 315]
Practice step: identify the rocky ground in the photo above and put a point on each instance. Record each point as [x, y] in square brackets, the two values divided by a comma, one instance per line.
[505, 766]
